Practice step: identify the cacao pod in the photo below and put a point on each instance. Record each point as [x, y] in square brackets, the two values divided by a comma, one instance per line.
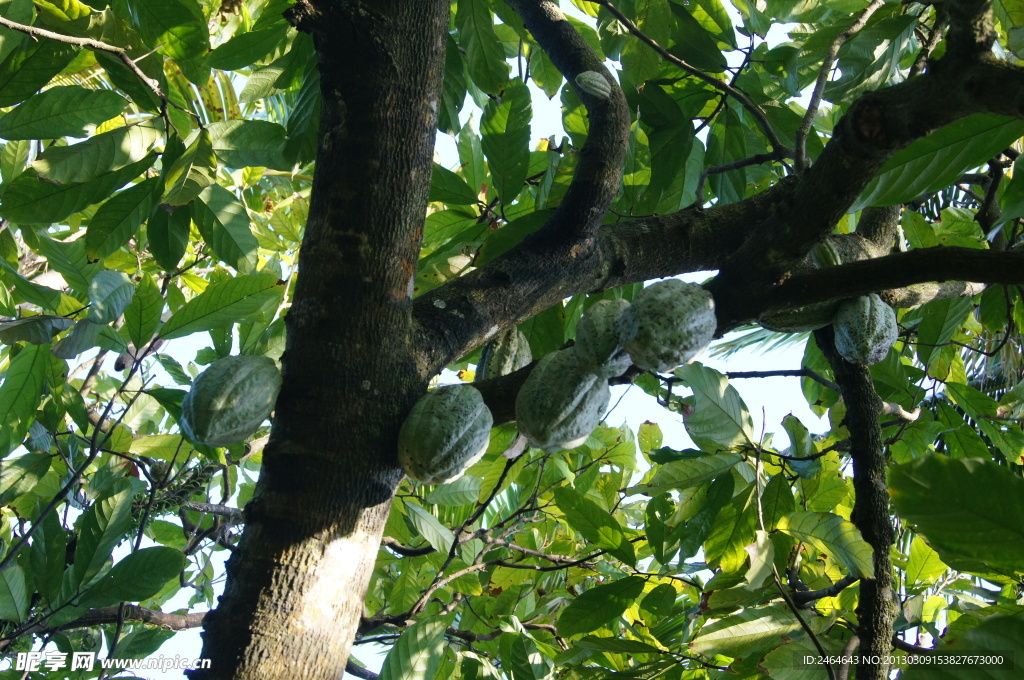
[598, 345]
[506, 354]
[594, 83]
[560, 403]
[446, 431]
[865, 329]
[230, 400]
[668, 324]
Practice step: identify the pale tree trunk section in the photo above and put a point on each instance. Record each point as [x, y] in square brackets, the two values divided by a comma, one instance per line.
[297, 581]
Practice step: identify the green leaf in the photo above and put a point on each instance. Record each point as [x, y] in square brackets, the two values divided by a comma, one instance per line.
[38, 330]
[599, 605]
[224, 223]
[924, 565]
[224, 303]
[102, 527]
[142, 316]
[119, 218]
[195, 170]
[485, 58]
[618, 645]
[967, 509]
[447, 187]
[249, 143]
[832, 535]
[67, 110]
[244, 49]
[935, 161]
[139, 576]
[418, 653]
[168, 231]
[14, 594]
[20, 394]
[745, 632]
[31, 65]
[506, 139]
[594, 523]
[19, 475]
[465, 489]
[686, 473]
[100, 154]
[109, 293]
[176, 28]
[720, 418]
[32, 200]
[428, 526]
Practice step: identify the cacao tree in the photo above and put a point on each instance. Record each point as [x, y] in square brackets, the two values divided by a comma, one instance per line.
[187, 180]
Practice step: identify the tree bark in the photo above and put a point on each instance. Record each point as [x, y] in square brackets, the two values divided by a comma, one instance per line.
[877, 608]
[296, 584]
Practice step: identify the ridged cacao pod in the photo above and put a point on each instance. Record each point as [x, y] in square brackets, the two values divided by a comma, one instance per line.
[446, 431]
[561, 402]
[668, 324]
[506, 354]
[230, 400]
[595, 84]
[865, 329]
[598, 344]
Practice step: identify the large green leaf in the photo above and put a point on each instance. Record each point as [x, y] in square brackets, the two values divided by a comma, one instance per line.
[224, 303]
[594, 524]
[109, 294]
[97, 155]
[24, 71]
[746, 632]
[247, 48]
[140, 575]
[689, 472]
[832, 535]
[599, 605]
[31, 200]
[418, 652]
[66, 110]
[176, 27]
[245, 143]
[38, 330]
[224, 223]
[935, 161]
[967, 509]
[485, 58]
[720, 419]
[14, 594]
[119, 218]
[192, 172]
[101, 528]
[506, 139]
[20, 393]
[142, 316]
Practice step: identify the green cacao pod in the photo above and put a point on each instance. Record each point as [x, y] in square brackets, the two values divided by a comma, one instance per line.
[593, 83]
[446, 431]
[598, 345]
[561, 402]
[668, 324]
[865, 329]
[230, 400]
[507, 353]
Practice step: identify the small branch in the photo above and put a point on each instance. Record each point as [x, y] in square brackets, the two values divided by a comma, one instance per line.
[752, 108]
[804, 598]
[394, 546]
[795, 373]
[120, 52]
[214, 509]
[736, 165]
[359, 672]
[848, 650]
[800, 137]
[890, 408]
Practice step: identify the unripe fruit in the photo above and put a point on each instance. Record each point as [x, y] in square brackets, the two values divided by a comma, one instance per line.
[230, 400]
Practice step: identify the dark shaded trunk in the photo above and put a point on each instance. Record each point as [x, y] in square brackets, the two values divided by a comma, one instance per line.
[296, 584]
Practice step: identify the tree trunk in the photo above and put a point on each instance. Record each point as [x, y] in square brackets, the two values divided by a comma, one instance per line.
[295, 587]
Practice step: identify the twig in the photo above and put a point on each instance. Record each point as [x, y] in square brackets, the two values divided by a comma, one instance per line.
[797, 373]
[800, 138]
[750, 106]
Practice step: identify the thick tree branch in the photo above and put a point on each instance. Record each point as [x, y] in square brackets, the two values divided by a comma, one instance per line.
[877, 608]
[596, 181]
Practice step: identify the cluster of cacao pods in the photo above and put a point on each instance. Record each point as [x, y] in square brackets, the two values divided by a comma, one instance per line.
[566, 394]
